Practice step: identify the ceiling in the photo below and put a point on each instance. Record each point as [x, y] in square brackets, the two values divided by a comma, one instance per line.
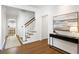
[42, 6]
[11, 12]
[38, 6]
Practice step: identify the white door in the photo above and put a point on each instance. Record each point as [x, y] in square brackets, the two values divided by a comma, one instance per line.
[45, 27]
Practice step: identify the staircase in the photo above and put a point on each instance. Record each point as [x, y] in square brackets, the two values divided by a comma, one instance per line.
[29, 29]
[12, 39]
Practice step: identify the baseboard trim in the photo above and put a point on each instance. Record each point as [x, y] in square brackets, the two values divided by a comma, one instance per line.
[33, 41]
[44, 39]
[59, 50]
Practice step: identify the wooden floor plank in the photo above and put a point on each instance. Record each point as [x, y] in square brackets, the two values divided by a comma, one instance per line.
[38, 47]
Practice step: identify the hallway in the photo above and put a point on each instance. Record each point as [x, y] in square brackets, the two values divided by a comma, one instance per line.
[12, 41]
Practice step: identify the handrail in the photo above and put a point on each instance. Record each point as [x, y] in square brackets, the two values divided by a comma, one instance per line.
[5, 42]
[30, 21]
[19, 39]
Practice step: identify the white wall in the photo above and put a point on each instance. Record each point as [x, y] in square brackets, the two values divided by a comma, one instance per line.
[47, 10]
[0, 29]
[3, 25]
[24, 7]
[67, 9]
[22, 18]
[38, 24]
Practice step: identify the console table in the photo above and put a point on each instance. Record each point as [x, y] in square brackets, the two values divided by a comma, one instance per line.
[68, 39]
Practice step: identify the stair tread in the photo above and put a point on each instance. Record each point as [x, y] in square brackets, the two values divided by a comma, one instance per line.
[29, 33]
[28, 37]
[32, 31]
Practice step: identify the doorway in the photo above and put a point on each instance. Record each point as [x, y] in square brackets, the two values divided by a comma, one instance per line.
[11, 40]
[45, 27]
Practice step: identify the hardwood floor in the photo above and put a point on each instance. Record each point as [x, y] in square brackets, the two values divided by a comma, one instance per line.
[38, 47]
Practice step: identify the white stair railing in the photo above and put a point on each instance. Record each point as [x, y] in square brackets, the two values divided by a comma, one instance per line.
[29, 28]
